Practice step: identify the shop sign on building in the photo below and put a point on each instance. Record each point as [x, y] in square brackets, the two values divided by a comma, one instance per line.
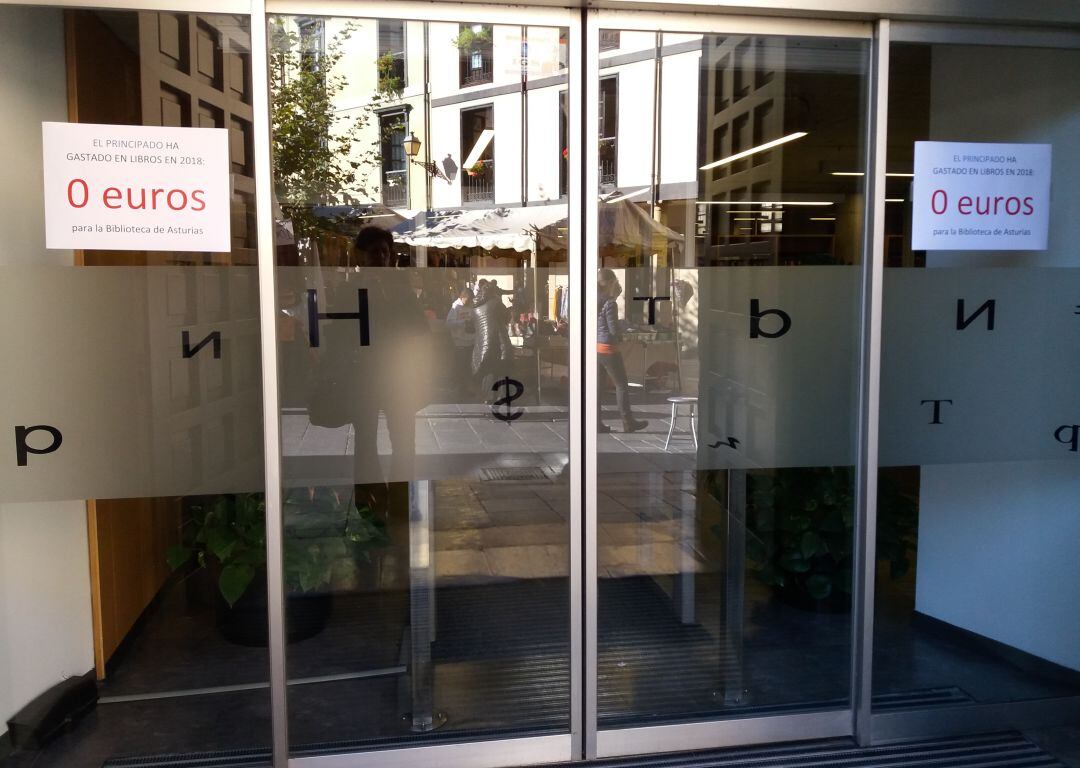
[136, 188]
[980, 197]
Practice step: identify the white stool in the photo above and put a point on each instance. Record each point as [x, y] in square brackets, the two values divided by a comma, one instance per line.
[676, 401]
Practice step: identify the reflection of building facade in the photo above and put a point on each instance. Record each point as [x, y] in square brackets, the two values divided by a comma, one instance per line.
[761, 89]
[504, 96]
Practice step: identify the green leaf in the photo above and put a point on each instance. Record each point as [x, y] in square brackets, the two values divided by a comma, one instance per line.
[764, 521]
[177, 555]
[797, 523]
[314, 575]
[833, 522]
[794, 561]
[254, 556]
[770, 576]
[819, 586]
[234, 581]
[756, 552]
[811, 545]
[221, 542]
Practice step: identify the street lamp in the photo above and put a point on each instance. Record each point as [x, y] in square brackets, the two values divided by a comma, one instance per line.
[412, 149]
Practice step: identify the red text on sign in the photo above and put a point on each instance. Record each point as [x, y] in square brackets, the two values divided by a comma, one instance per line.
[981, 205]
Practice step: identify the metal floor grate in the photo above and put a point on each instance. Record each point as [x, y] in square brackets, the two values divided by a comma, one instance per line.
[1008, 750]
[233, 758]
[929, 697]
[519, 474]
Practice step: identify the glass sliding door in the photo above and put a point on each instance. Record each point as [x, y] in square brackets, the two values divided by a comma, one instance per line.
[423, 266]
[728, 210]
[978, 476]
[133, 586]
[573, 413]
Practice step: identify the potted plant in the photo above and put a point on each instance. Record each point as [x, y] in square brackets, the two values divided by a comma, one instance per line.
[477, 170]
[391, 82]
[226, 535]
[473, 37]
[800, 533]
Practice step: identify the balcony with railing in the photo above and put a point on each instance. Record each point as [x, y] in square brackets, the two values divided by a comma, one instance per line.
[478, 182]
[608, 161]
[609, 39]
[475, 70]
[395, 189]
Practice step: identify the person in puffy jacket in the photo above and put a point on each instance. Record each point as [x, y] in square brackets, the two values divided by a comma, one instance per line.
[608, 333]
[492, 352]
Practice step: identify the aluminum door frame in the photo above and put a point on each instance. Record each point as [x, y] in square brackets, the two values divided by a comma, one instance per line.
[586, 740]
[492, 753]
[725, 732]
[885, 727]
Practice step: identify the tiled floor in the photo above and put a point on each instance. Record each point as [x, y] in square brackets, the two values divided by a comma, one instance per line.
[492, 531]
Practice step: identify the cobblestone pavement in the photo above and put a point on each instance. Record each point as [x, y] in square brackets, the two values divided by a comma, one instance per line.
[502, 495]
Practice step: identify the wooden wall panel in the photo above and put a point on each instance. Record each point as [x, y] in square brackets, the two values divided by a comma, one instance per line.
[128, 538]
[180, 70]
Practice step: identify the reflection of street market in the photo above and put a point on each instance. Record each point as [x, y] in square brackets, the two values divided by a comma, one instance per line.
[524, 251]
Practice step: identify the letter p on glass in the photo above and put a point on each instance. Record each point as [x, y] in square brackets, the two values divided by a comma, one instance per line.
[23, 449]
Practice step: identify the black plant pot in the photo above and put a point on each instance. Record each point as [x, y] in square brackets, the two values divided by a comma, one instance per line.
[245, 623]
[796, 596]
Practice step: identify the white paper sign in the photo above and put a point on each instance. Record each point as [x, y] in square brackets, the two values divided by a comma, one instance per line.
[980, 197]
[136, 188]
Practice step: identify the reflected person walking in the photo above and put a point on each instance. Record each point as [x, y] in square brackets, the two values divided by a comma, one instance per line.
[608, 333]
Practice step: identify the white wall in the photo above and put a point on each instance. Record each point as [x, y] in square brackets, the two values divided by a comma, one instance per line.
[679, 128]
[998, 553]
[545, 151]
[999, 544]
[507, 113]
[635, 124]
[45, 623]
[444, 72]
[446, 140]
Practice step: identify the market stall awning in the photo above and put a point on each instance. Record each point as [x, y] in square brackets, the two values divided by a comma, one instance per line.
[622, 223]
[488, 228]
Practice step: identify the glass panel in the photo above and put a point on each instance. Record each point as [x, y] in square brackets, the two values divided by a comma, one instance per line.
[978, 532]
[424, 361]
[727, 350]
[132, 531]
